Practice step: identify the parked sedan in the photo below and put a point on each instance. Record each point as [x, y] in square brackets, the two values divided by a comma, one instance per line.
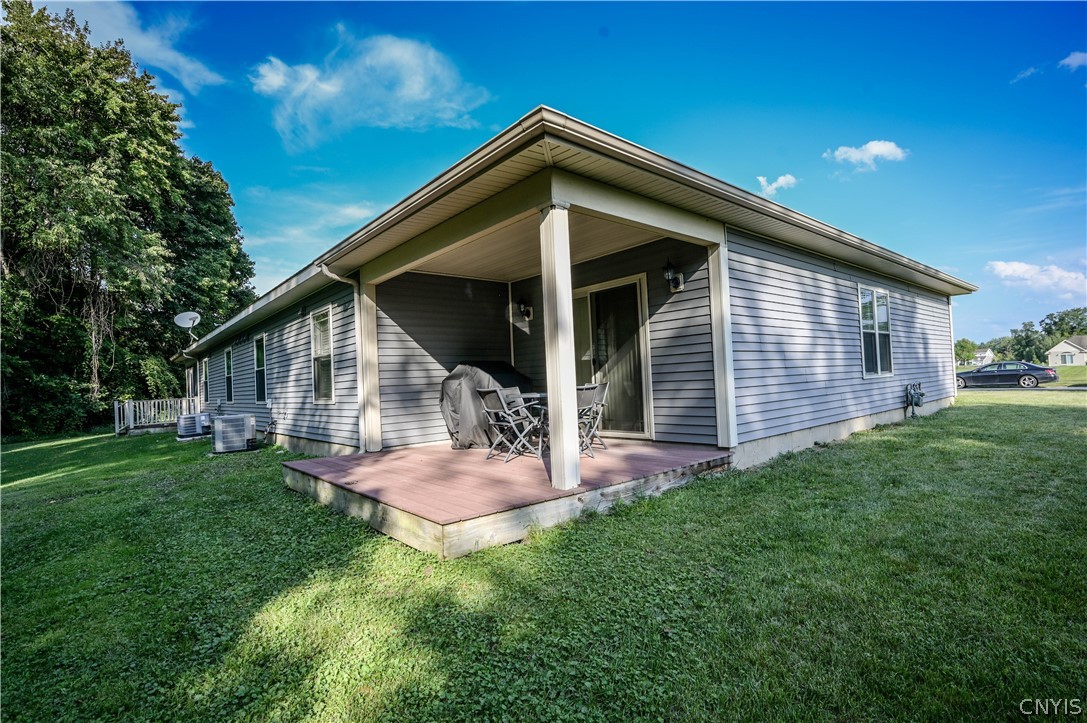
[1009, 374]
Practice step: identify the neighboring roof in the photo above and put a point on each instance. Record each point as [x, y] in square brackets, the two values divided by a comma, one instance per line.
[1079, 341]
[547, 138]
[982, 351]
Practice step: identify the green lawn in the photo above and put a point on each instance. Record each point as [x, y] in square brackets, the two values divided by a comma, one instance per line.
[931, 570]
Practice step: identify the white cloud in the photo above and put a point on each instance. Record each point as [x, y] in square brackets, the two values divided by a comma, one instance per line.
[284, 230]
[1058, 199]
[1052, 279]
[771, 189]
[1074, 60]
[864, 158]
[1024, 74]
[150, 46]
[381, 81]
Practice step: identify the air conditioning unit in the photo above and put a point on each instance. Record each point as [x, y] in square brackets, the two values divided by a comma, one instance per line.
[192, 426]
[235, 433]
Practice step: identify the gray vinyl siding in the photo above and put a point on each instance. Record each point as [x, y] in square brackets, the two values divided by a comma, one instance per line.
[426, 325]
[289, 372]
[797, 345]
[681, 348]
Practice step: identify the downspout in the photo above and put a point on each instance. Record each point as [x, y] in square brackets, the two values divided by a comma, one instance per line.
[358, 348]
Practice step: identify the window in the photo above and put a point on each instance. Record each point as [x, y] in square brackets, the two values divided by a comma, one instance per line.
[258, 365]
[875, 331]
[229, 358]
[321, 345]
[204, 380]
[1068, 359]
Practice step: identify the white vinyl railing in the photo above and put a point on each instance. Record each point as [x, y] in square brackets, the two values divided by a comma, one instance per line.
[137, 413]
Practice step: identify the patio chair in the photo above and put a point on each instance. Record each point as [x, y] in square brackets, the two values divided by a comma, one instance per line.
[585, 408]
[517, 425]
[591, 400]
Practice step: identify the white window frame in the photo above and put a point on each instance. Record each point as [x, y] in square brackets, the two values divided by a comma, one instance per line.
[876, 290]
[205, 393]
[313, 357]
[263, 339]
[1071, 359]
[228, 375]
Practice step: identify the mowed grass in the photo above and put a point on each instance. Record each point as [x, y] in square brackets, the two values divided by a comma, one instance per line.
[1072, 376]
[930, 570]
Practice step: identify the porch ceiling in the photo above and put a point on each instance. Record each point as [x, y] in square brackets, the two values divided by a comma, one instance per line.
[513, 252]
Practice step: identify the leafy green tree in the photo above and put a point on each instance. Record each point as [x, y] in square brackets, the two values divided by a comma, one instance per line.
[1064, 324]
[1028, 344]
[964, 350]
[108, 230]
[1001, 346]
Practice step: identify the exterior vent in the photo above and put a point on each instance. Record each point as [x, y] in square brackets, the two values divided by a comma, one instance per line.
[235, 432]
[193, 425]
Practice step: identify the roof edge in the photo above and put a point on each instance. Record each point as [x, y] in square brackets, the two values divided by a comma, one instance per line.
[538, 124]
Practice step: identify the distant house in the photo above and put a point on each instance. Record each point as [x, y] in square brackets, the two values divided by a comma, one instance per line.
[983, 356]
[1070, 352]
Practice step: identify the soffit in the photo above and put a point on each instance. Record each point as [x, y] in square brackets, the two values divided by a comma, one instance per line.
[513, 252]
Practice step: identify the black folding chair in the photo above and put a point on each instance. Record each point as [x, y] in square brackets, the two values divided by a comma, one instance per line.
[585, 409]
[591, 400]
[517, 424]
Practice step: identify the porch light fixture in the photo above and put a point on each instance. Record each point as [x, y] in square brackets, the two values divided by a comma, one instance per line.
[673, 277]
[525, 309]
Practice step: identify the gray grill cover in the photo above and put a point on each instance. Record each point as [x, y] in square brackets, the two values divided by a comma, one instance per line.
[461, 405]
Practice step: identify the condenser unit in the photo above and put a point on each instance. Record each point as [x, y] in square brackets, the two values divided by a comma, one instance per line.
[235, 433]
[192, 426]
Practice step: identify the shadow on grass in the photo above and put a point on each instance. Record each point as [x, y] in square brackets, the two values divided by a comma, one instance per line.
[132, 574]
[926, 570]
[902, 571]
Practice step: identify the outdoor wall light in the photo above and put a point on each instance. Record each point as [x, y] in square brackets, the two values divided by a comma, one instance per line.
[525, 309]
[673, 277]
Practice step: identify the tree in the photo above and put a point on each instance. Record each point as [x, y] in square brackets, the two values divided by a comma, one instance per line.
[1064, 324]
[964, 350]
[1001, 346]
[1028, 344]
[107, 227]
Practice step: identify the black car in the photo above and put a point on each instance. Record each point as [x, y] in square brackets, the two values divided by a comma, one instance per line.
[1008, 373]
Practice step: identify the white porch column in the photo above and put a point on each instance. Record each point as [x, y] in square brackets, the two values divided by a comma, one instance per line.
[558, 318]
[724, 380]
[370, 391]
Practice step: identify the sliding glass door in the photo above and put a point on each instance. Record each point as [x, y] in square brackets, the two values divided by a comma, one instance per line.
[609, 343]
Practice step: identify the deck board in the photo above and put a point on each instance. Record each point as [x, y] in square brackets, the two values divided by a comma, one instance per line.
[461, 489]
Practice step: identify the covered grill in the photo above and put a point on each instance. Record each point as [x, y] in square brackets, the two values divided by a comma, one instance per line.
[461, 405]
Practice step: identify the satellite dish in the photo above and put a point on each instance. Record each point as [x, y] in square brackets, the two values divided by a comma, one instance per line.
[187, 320]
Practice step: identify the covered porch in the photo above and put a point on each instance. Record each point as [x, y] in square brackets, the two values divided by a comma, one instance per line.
[453, 502]
[571, 251]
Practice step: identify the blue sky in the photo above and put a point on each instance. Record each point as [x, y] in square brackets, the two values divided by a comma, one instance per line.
[952, 133]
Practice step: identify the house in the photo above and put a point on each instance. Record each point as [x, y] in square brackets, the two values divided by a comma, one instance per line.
[1070, 352]
[775, 332]
[983, 356]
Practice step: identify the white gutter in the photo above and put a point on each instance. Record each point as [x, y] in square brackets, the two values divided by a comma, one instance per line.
[358, 349]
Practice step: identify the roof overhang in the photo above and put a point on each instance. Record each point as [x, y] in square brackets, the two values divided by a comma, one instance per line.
[546, 139]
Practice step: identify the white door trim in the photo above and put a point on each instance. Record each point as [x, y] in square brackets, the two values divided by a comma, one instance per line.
[640, 281]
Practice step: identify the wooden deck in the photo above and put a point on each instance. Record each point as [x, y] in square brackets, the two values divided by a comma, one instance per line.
[452, 502]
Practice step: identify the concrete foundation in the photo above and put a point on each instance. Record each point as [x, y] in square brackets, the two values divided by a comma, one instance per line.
[749, 454]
